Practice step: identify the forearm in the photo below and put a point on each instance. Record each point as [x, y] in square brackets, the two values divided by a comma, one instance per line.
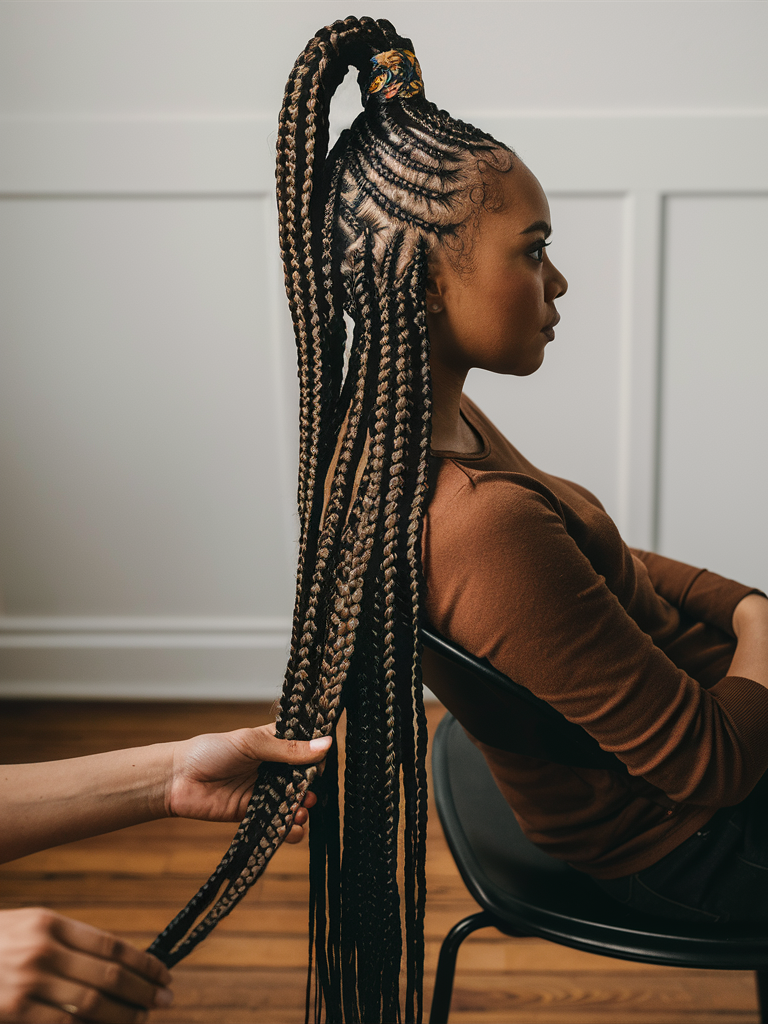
[56, 802]
[702, 595]
[750, 624]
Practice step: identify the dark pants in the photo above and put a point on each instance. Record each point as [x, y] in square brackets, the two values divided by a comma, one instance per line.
[719, 874]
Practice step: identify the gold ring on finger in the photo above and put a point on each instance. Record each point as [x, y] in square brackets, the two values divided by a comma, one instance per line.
[69, 1008]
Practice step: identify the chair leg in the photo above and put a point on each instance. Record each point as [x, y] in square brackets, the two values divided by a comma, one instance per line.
[446, 965]
[761, 978]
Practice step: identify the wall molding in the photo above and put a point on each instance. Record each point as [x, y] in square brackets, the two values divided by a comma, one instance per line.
[177, 155]
[18, 631]
[125, 657]
[60, 657]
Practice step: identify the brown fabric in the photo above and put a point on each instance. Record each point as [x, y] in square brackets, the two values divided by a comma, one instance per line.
[529, 571]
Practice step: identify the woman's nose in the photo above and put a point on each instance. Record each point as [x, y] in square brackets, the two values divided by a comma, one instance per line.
[557, 284]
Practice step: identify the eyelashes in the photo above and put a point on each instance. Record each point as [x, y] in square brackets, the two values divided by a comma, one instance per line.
[538, 247]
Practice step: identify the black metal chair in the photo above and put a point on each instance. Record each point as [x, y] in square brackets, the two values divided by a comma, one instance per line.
[522, 891]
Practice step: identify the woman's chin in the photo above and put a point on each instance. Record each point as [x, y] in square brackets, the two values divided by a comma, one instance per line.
[529, 367]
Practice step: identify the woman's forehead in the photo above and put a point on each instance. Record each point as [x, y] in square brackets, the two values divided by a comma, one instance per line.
[525, 202]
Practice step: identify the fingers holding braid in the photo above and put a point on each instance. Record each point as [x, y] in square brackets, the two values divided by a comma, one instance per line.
[214, 774]
[54, 969]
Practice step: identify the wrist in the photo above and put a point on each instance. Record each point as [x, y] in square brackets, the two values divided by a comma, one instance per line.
[134, 780]
[160, 782]
[750, 612]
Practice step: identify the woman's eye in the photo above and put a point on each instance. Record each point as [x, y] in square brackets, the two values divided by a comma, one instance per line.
[537, 252]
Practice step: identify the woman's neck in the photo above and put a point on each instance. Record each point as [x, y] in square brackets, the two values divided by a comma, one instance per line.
[450, 431]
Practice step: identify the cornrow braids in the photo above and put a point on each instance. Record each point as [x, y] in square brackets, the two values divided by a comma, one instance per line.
[357, 227]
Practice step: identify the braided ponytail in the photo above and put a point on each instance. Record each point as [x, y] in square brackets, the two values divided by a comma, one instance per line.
[356, 230]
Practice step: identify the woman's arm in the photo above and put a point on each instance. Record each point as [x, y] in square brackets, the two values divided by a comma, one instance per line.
[209, 777]
[750, 625]
[698, 593]
[509, 583]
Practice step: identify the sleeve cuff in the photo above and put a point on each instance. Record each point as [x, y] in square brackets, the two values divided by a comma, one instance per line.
[702, 595]
[745, 702]
[713, 599]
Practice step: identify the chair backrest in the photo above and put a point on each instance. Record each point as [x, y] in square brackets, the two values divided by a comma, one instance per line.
[503, 714]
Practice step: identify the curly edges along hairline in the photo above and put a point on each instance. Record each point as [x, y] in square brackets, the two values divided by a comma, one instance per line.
[411, 178]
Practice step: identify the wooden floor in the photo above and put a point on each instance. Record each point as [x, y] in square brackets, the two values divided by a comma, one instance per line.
[252, 968]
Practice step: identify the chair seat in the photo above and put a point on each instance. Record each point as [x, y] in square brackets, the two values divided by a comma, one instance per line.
[531, 893]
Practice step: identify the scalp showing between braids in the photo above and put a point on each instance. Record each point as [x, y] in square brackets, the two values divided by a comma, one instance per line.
[356, 231]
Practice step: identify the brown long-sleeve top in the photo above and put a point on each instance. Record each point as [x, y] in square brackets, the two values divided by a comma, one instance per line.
[529, 571]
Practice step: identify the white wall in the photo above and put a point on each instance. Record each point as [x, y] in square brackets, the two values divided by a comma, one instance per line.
[147, 395]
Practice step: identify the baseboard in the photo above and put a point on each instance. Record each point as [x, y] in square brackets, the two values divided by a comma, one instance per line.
[122, 658]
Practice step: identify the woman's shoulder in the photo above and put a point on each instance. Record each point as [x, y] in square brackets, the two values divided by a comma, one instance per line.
[501, 453]
[489, 498]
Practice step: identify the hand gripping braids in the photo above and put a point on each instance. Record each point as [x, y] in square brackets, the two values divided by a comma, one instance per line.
[356, 231]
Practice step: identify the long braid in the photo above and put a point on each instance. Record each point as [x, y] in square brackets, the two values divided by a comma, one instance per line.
[356, 230]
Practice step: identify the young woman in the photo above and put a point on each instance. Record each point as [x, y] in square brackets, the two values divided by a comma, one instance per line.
[432, 237]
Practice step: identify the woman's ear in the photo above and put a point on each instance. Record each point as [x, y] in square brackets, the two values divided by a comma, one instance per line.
[434, 292]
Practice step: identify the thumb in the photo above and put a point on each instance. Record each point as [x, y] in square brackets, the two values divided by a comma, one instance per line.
[294, 751]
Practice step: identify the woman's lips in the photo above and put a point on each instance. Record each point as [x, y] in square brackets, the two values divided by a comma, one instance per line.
[549, 330]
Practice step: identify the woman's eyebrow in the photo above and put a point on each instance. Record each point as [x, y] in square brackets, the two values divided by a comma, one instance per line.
[540, 225]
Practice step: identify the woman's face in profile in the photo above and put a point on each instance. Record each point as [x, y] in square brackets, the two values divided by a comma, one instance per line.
[499, 313]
